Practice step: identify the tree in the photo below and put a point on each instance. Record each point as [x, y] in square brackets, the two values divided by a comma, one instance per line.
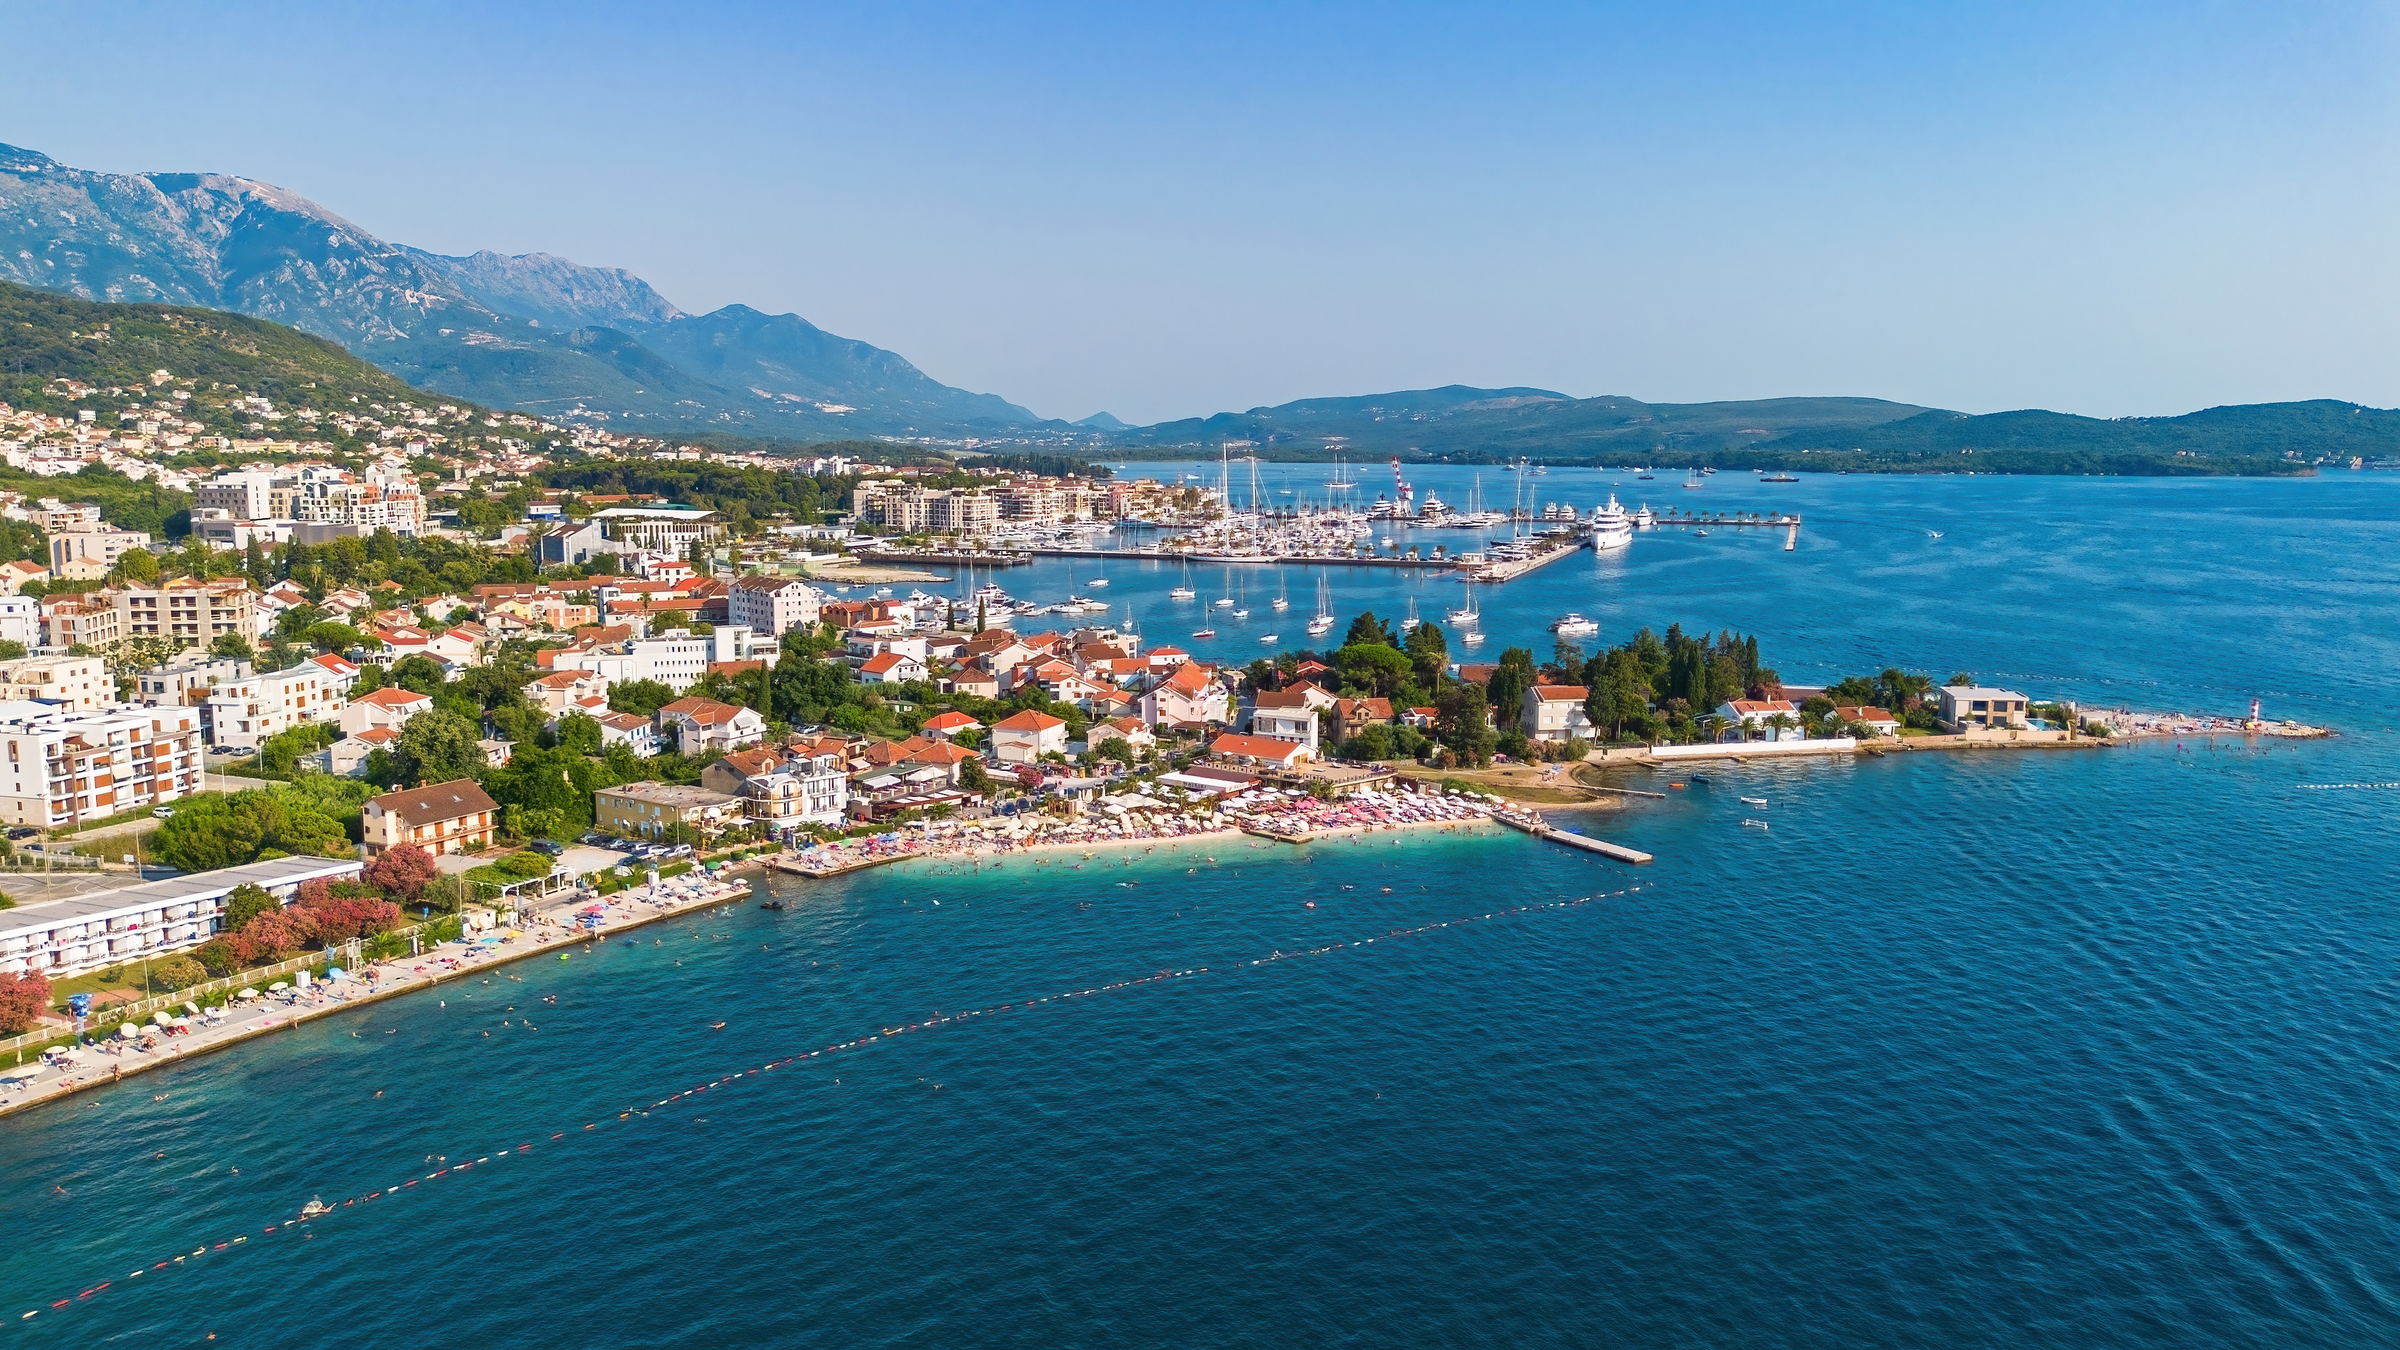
[1781, 723]
[244, 903]
[11, 650]
[138, 565]
[230, 647]
[1366, 628]
[1510, 679]
[337, 637]
[178, 972]
[1430, 651]
[579, 733]
[401, 872]
[1464, 723]
[418, 675]
[436, 747]
[1962, 680]
[974, 777]
[1619, 694]
[1379, 668]
[23, 1000]
[642, 698]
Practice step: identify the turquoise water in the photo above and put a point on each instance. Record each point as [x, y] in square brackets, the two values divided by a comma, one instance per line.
[2041, 1049]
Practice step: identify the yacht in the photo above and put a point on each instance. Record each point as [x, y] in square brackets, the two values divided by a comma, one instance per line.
[1465, 613]
[1183, 589]
[1779, 478]
[1205, 633]
[1611, 527]
[1645, 518]
[1281, 602]
[1271, 638]
[1575, 625]
[1409, 624]
[1323, 622]
[1474, 639]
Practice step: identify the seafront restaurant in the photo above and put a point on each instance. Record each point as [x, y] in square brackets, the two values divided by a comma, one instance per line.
[81, 933]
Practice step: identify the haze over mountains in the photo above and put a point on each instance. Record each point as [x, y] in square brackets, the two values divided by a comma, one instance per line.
[544, 334]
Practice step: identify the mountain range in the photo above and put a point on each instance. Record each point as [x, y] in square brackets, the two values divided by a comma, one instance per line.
[540, 333]
[534, 332]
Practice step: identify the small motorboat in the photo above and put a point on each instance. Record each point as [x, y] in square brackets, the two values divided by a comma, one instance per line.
[1759, 802]
[1755, 824]
[314, 1208]
[774, 904]
[1205, 633]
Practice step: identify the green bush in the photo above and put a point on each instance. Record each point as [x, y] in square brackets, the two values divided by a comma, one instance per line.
[526, 865]
[180, 973]
[217, 958]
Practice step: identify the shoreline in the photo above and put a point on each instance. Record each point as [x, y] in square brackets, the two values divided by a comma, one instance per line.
[545, 936]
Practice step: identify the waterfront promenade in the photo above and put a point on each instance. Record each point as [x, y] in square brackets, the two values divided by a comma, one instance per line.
[553, 930]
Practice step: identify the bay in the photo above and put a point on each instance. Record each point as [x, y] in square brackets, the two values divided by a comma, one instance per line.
[1999, 1049]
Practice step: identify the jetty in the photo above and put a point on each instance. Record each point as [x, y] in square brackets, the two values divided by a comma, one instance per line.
[1541, 829]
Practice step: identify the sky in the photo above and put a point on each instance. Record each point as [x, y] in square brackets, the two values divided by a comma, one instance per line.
[2106, 209]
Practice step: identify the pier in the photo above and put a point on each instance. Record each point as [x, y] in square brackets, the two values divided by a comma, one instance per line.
[1495, 573]
[1725, 520]
[1541, 829]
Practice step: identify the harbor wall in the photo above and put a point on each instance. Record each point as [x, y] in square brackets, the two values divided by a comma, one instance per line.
[1830, 745]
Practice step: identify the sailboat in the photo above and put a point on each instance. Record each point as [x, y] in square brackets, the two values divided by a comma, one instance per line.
[1099, 582]
[1184, 590]
[1241, 608]
[1323, 622]
[1409, 624]
[1281, 602]
[1465, 613]
[1225, 601]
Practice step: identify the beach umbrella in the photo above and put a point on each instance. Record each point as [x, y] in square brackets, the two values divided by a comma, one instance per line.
[279, 985]
[247, 993]
[127, 1030]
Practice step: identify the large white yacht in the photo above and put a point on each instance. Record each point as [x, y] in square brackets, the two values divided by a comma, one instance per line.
[1611, 527]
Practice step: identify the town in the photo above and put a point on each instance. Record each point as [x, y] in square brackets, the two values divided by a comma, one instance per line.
[481, 667]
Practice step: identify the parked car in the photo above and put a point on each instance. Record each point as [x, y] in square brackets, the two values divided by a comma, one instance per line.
[593, 839]
[27, 832]
[549, 846]
[164, 812]
[680, 851]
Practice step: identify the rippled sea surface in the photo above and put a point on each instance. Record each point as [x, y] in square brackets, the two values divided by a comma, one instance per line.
[2055, 1049]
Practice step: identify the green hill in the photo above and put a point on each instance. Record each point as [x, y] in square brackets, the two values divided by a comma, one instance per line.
[45, 336]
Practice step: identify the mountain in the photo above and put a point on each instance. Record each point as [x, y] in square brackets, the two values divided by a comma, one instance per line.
[533, 332]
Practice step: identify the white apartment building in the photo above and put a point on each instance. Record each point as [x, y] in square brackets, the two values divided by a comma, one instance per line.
[55, 677]
[87, 554]
[63, 765]
[364, 506]
[241, 713]
[773, 605]
[21, 619]
[660, 529]
[674, 658]
[248, 495]
[67, 937]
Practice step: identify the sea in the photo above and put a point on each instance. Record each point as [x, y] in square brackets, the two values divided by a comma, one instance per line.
[2075, 1049]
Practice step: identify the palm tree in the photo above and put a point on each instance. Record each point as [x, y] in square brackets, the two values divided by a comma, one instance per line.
[1780, 723]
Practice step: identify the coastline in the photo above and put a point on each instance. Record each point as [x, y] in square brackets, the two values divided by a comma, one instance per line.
[392, 981]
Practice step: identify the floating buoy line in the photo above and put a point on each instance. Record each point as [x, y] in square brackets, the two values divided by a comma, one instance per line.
[327, 1212]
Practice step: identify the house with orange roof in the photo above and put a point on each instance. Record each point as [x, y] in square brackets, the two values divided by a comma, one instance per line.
[1554, 712]
[890, 668]
[390, 707]
[1265, 752]
[944, 725]
[1024, 737]
[696, 725]
[1191, 694]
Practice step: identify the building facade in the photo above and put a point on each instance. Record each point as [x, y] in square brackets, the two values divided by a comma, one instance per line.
[648, 810]
[239, 714]
[188, 612]
[452, 817]
[59, 766]
[773, 605]
[98, 929]
[88, 553]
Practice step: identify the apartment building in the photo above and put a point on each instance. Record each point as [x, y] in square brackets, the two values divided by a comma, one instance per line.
[660, 529]
[648, 810]
[55, 677]
[188, 611]
[97, 929]
[906, 509]
[773, 605]
[674, 658]
[239, 714]
[88, 554]
[62, 765]
[783, 787]
[89, 621]
[452, 817]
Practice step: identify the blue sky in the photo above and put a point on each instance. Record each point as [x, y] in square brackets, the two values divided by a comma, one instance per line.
[2108, 209]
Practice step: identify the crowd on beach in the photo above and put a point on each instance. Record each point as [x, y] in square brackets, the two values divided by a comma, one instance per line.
[2124, 722]
[1282, 812]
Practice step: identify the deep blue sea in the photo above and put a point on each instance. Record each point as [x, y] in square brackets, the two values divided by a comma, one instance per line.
[2076, 1049]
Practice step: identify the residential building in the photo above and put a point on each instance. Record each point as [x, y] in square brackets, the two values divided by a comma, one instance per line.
[697, 725]
[1287, 715]
[574, 545]
[660, 529]
[1024, 737]
[343, 673]
[1354, 715]
[246, 495]
[632, 730]
[452, 817]
[1189, 695]
[239, 714]
[674, 658]
[783, 787]
[1554, 712]
[21, 620]
[648, 810]
[89, 621]
[14, 575]
[389, 707]
[891, 668]
[564, 691]
[1873, 719]
[948, 724]
[1266, 752]
[89, 552]
[130, 924]
[773, 605]
[55, 677]
[1756, 715]
[900, 508]
[188, 612]
[64, 765]
[1965, 706]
